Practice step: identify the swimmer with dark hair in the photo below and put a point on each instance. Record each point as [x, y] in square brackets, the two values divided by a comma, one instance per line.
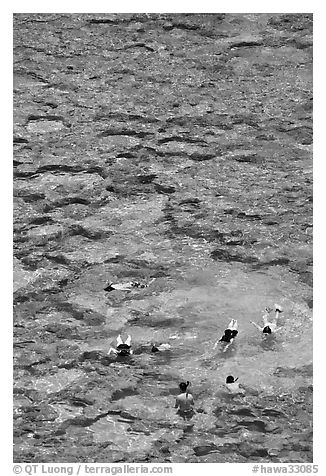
[230, 379]
[229, 335]
[231, 384]
[184, 401]
[122, 349]
[270, 325]
[160, 347]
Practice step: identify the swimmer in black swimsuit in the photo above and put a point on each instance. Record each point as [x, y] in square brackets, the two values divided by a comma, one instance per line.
[270, 325]
[229, 334]
[123, 349]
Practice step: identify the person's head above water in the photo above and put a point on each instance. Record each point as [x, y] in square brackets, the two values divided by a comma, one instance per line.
[183, 386]
[230, 379]
[267, 330]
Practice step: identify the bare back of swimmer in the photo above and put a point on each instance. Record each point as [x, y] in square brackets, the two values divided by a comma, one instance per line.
[184, 401]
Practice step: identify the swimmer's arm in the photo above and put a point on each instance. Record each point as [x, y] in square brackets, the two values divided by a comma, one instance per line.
[256, 325]
[177, 403]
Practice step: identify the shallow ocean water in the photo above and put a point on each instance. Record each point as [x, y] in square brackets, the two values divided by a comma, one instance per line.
[176, 148]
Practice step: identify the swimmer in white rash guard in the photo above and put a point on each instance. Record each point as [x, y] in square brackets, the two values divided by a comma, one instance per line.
[122, 349]
[270, 325]
[184, 401]
[232, 385]
[229, 335]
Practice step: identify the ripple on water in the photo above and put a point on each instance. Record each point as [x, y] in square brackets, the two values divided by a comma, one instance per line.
[58, 381]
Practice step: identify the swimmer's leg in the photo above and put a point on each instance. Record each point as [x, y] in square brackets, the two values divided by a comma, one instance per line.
[227, 345]
[128, 341]
[112, 351]
[233, 324]
[119, 340]
[265, 320]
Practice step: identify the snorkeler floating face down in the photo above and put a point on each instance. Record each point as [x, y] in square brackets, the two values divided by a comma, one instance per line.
[127, 286]
[122, 349]
[229, 334]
